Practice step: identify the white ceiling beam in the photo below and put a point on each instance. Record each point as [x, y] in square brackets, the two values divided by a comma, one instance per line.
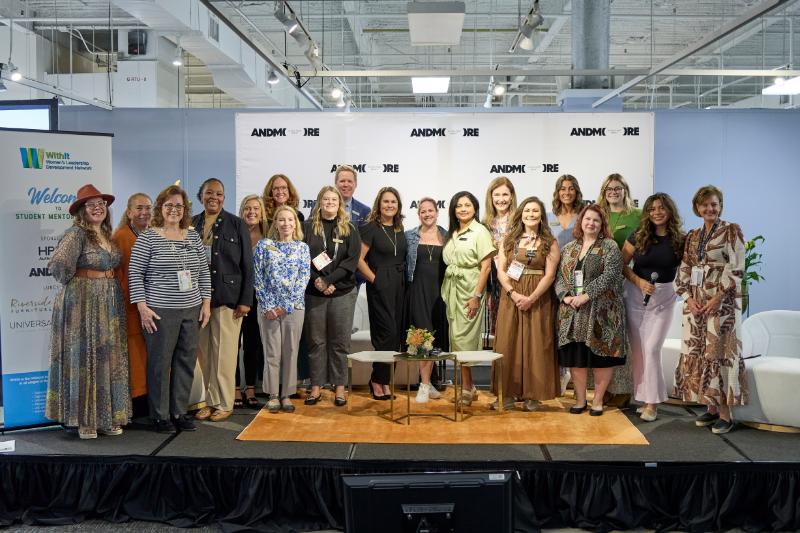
[767, 73]
[723, 31]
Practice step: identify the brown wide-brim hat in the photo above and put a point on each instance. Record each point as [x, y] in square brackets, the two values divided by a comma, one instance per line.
[87, 192]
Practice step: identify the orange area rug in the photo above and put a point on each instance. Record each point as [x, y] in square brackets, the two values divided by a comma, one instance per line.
[551, 424]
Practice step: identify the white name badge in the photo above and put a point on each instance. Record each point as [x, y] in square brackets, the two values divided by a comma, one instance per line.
[697, 276]
[578, 282]
[515, 270]
[321, 261]
[184, 280]
[208, 253]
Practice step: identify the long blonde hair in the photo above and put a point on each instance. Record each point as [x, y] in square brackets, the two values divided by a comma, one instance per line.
[342, 218]
[601, 200]
[298, 229]
[491, 212]
[263, 224]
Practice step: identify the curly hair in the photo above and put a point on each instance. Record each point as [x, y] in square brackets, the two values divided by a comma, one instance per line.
[80, 219]
[605, 231]
[516, 228]
[491, 212]
[158, 218]
[342, 218]
[646, 232]
[269, 201]
[558, 206]
[375, 214]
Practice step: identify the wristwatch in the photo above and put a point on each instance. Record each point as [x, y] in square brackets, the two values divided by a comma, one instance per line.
[509, 291]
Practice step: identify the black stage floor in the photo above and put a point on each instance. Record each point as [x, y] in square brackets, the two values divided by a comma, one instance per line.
[673, 438]
[686, 479]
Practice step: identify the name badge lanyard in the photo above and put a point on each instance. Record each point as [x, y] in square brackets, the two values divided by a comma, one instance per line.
[578, 271]
[184, 275]
[697, 270]
[335, 239]
[394, 242]
[530, 253]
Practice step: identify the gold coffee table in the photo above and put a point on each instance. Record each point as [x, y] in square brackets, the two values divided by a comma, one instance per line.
[443, 357]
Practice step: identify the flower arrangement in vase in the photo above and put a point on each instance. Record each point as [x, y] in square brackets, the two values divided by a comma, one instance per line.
[419, 341]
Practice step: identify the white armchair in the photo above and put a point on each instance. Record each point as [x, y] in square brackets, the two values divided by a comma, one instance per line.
[671, 351]
[771, 348]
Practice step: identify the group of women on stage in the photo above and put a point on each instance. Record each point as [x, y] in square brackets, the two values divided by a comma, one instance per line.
[582, 287]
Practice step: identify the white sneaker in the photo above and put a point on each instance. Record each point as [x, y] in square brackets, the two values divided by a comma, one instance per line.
[422, 393]
[433, 393]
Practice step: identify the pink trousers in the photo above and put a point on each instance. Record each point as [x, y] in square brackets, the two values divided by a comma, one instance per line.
[647, 329]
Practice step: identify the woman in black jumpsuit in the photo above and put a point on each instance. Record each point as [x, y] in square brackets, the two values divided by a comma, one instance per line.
[382, 263]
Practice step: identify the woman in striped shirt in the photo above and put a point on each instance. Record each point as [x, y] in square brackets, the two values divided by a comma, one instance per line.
[169, 282]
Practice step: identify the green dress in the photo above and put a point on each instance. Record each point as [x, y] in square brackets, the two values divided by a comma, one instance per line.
[623, 224]
[463, 254]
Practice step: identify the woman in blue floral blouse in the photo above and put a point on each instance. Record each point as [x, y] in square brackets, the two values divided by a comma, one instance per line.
[282, 269]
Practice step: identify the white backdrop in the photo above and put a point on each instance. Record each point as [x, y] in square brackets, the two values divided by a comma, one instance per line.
[42, 171]
[439, 155]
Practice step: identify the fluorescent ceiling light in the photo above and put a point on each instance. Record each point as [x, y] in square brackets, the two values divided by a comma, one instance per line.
[430, 85]
[787, 87]
[435, 23]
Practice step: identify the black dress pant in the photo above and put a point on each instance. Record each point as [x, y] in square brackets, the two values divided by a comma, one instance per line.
[252, 351]
[385, 299]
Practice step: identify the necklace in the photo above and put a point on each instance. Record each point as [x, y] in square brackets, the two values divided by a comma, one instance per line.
[394, 242]
[429, 248]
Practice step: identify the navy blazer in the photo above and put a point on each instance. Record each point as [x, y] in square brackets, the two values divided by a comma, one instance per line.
[231, 260]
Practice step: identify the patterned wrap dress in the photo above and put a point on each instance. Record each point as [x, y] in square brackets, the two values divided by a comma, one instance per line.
[88, 384]
[600, 323]
[711, 369]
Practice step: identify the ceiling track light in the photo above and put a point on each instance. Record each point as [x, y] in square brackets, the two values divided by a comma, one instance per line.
[272, 78]
[488, 103]
[336, 93]
[314, 55]
[527, 27]
[287, 18]
[340, 102]
[15, 74]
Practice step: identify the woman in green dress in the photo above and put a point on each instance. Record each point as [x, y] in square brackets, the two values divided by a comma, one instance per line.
[468, 255]
[623, 219]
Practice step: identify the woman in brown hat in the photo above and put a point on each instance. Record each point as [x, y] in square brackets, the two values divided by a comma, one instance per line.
[88, 382]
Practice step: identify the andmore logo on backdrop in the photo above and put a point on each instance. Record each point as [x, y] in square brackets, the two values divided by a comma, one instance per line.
[588, 132]
[38, 272]
[428, 132]
[268, 132]
[361, 168]
[507, 169]
[39, 158]
[440, 204]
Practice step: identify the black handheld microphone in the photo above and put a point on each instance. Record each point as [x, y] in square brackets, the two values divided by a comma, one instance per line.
[653, 279]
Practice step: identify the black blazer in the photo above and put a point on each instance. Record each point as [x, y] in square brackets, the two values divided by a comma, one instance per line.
[231, 260]
[341, 271]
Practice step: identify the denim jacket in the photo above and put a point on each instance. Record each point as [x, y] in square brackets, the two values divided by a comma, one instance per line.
[412, 238]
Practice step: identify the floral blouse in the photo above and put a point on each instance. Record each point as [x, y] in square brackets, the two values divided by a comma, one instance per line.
[282, 270]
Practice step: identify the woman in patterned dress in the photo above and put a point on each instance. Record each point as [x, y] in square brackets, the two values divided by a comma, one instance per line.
[282, 270]
[591, 317]
[711, 370]
[88, 386]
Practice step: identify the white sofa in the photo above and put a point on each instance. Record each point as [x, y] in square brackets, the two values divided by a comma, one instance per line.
[771, 348]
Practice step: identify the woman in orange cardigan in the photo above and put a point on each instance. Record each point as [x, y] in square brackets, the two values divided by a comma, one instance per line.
[135, 220]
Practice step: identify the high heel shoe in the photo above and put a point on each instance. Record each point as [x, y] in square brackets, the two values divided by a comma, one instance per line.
[376, 396]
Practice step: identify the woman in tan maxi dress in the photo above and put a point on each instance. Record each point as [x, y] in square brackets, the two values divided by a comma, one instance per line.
[526, 269]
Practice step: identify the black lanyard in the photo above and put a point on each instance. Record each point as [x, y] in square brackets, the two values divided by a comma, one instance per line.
[336, 241]
[701, 247]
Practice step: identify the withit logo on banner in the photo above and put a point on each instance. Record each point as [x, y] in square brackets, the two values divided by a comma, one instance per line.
[39, 158]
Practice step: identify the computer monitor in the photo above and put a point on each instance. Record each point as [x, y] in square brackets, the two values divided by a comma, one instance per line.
[429, 502]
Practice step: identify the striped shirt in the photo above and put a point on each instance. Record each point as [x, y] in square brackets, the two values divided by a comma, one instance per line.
[154, 266]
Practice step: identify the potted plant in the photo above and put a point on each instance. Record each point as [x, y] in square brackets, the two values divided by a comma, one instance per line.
[752, 267]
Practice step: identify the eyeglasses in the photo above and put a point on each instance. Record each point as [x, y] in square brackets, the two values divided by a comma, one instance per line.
[280, 188]
[98, 203]
[615, 189]
[174, 207]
